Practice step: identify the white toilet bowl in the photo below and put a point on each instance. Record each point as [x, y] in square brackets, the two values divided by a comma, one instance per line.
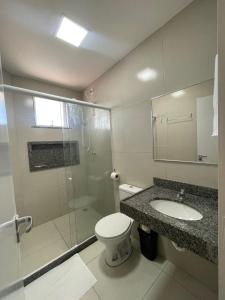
[114, 232]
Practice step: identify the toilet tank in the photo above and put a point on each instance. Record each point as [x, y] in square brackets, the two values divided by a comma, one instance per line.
[127, 190]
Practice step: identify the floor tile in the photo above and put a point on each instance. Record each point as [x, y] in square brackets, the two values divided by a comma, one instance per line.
[190, 283]
[38, 259]
[138, 278]
[90, 295]
[49, 240]
[159, 262]
[63, 226]
[85, 221]
[92, 251]
[69, 281]
[128, 281]
[166, 288]
[39, 237]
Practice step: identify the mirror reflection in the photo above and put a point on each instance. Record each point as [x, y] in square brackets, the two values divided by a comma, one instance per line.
[184, 125]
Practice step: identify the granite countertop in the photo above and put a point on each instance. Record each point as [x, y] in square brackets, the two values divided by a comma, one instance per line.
[200, 237]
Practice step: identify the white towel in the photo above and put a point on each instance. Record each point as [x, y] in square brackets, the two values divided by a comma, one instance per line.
[215, 99]
[68, 281]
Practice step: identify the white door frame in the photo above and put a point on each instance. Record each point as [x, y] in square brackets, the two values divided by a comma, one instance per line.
[221, 181]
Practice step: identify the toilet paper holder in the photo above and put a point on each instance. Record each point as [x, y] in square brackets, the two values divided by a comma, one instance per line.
[115, 175]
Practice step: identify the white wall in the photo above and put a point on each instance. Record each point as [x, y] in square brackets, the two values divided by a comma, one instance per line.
[44, 87]
[182, 53]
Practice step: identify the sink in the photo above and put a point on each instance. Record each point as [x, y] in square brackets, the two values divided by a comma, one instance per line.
[176, 210]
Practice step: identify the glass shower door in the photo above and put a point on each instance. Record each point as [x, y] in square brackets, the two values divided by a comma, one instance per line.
[89, 187]
[11, 281]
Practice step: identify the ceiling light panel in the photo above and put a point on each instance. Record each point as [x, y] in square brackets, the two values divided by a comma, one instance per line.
[71, 32]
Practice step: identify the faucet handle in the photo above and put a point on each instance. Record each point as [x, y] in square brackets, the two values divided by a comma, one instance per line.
[181, 194]
[182, 191]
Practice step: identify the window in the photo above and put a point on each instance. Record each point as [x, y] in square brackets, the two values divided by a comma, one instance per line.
[101, 119]
[49, 113]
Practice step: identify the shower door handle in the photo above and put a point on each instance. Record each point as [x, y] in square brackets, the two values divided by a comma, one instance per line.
[23, 220]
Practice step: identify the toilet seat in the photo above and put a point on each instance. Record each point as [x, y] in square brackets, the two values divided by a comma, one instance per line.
[113, 225]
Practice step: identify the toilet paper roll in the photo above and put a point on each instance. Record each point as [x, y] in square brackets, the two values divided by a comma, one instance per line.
[115, 176]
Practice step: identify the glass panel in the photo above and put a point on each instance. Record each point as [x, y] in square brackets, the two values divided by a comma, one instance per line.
[11, 284]
[89, 187]
[67, 192]
[39, 179]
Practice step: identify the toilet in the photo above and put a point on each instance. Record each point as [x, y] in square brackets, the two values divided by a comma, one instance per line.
[114, 231]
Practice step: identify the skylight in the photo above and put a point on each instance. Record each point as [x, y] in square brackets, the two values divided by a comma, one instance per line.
[71, 32]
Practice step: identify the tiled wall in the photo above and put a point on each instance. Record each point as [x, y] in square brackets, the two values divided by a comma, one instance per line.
[182, 53]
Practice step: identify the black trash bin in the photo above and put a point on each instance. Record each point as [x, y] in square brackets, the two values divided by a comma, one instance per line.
[148, 243]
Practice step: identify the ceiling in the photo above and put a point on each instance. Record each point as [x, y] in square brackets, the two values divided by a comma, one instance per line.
[29, 47]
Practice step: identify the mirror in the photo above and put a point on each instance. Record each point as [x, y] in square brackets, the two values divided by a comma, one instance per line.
[183, 125]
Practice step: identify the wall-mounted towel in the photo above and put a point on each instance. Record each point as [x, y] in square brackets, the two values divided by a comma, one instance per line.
[215, 99]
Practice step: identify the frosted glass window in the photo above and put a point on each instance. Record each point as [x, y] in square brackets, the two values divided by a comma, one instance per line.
[49, 113]
[102, 119]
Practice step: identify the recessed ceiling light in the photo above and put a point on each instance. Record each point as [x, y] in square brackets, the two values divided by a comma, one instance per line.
[178, 93]
[146, 74]
[71, 32]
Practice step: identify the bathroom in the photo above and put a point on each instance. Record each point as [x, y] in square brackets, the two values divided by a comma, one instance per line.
[135, 103]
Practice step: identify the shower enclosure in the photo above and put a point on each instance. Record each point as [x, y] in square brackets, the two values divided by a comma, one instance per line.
[89, 187]
[61, 172]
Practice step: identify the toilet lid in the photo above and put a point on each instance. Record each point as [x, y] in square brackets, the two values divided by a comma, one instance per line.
[112, 225]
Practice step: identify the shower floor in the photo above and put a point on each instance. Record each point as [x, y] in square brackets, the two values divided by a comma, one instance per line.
[51, 239]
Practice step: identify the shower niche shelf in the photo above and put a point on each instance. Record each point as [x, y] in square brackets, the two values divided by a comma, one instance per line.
[46, 155]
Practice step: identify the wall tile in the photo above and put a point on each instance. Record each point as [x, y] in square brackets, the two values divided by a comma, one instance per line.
[121, 85]
[42, 203]
[192, 173]
[117, 130]
[190, 45]
[134, 168]
[137, 131]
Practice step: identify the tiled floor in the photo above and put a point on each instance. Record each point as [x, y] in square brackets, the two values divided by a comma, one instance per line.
[49, 240]
[139, 278]
[43, 244]
[136, 279]
[70, 281]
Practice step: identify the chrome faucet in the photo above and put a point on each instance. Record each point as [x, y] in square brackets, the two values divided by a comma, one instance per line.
[181, 194]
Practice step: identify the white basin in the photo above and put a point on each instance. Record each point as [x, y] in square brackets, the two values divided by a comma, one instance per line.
[176, 210]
